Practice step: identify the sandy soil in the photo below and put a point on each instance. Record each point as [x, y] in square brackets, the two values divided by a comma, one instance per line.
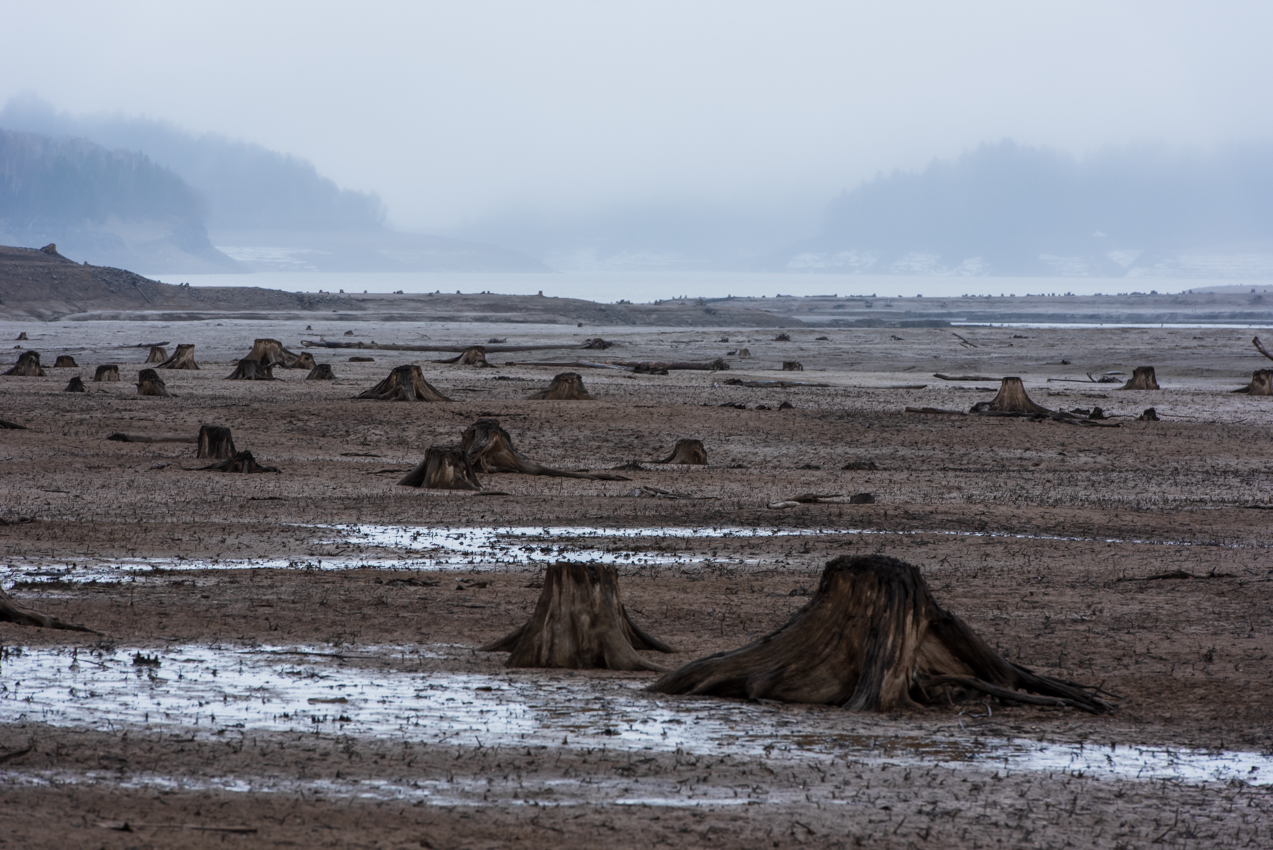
[1043, 536]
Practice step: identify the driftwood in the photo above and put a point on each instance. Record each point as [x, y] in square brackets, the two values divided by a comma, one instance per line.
[1261, 383]
[1142, 379]
[455, 349]
[963, 377]
[149, 383]
[568, 386]
[158, 354]
[688, 452]
[65, 361]
[11, 611]
[249, 369]
[107, 372]
[362, 360]
[75, 385]
[215, 442]
[443, 468]
[490, 449]
[738, 382]
[645, 367]
[936, 411]
[182, 358]
[472, 356]
[1259, 346]
[242, 462]
[820, 499]
[873, 638]
[321, 372]
[121, 437]
[28, 366]
[579, 623]
[405, 383]
[792, 366]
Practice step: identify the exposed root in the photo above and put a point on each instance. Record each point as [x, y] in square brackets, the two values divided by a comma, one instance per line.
[490, 449]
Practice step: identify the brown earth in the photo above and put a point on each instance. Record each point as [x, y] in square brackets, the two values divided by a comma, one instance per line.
[1046, 537]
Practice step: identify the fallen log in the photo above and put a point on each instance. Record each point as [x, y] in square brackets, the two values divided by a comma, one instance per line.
[963, 377]
[121, 437]
[456, 349]
[239, 462]
[1259, 346]
[739, 382]
[936, 411]
[12, 611]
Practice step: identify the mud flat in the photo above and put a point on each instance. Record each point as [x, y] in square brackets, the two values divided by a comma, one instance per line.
[290, 658]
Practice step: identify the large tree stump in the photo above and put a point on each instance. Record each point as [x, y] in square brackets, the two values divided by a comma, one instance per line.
[579, 624]
[252, 370]
[75, 385]
[149, 383]
[490, 449]
[321, 372]
[6, 425]
[405, 383]
[1142, 379]
[215, 441]
[158, 354]
[304, 360]
[1011, 398]
[690, 452]
[1261, 383]
[182, 358]
[28, 366]
[472, 356]
[107, 372]
[872, 638]
[241, 462]
[567, 386]
[11, 611]
[443, 468]
[65, 361]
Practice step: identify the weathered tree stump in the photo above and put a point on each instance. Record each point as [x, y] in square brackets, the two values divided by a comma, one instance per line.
[1148, 415]
[490, 449]
[1011, 398]
[744, 352]
[65, 361]
[471, 356]
[1261, 383]
[321, 372]
[28, 366]
[158, 354]
[579, 624]
[597, 344]
[149, 383]
[782, 338]
[567, 386]
[405, 383]
[241, 462]
[215, 441]
[690, 452]
[1142, 379]
[304, 360]
[22, 336]
[75, 385]
[182, 358]
[11, 611]
[107, 372]
[792, 366]
[251, 370]
[872, 638]
[443, 468]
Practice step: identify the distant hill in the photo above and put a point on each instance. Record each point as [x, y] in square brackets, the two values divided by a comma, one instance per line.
[1015, 209]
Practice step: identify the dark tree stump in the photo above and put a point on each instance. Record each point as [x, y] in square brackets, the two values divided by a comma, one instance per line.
[568, 386]
[690, 452]
[490, 449]
[215, 442]
[182, 358]
[1261, 383]
[744, 352]
[405, 383]
[28, 366]
[75, 385]
[782, 338]
[1142, 379]
[472, 356]
[597, 344]
[251, 370]
[13, 612]
[149, 383]
[1011, 398]
[872, 638]
[443, 468]
[792, 366]
[65, 361]
[1148, 415]
[158, 354]
[321, 372]
[304, 360]
[241, 462]
[107, 372]
[22, 336]
[579, 624]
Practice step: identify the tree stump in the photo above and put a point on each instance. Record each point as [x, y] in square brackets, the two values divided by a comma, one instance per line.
[1142, 379]
[792, 366]
[182, 358]
[304, 360]
[1261, 383]
[405, 383]
[597, 344]
[689, 452]
[65, 361]
[472, 356]
[149, 383]
[158, 354]
[567, 386]
[11, 611]
[782, 338]
[490, 449]
[744, 352]
[107, 372]
[215, 441]
[1148, 415]
[241, 462]
[75, 385]
[28, 366]
[872, 638]
[1011, 398]
[443, 468]
[321, 372]
[251, 370]
[579, 624]
[22, 336]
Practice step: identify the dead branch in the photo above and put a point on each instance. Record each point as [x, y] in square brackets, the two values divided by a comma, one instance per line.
[1259, 346]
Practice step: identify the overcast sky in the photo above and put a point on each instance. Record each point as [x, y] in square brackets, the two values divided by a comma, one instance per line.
[458, 111]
